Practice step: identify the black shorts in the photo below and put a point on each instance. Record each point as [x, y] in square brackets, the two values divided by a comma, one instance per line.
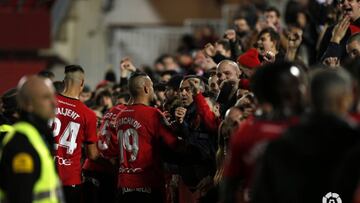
[72, 193]
[99, 187]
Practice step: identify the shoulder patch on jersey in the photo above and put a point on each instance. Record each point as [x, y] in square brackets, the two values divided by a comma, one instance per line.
[22, 163]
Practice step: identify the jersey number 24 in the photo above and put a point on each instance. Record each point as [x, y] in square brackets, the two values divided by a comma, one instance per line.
[68, 137]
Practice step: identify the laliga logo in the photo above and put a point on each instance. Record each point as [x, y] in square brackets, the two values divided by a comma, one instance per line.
[331, 197]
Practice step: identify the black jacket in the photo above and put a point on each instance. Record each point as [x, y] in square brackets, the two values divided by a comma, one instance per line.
[307, 162]
[18, 186]
[203, 142]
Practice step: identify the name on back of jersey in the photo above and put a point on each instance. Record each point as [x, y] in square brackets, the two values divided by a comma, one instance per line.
[67, 112]
[129, 121]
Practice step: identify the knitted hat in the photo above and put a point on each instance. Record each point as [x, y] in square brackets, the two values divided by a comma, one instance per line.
[249, 59]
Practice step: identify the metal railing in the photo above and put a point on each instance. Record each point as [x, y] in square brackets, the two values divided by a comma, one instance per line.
[144, 45]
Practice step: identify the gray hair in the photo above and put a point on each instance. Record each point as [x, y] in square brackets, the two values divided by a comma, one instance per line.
[327, 87]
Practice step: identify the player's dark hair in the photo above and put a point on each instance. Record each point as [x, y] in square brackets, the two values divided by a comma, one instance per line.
[73, 68]
[137, 74]
[133, 83]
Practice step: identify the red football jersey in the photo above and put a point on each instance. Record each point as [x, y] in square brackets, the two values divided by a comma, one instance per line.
[248, 143]
[74, 124]
[108, 142]
[141, 131]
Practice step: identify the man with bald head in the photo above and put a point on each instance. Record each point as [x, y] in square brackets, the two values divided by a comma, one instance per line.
[73, 126]
[228, 73]
[227, 70]
[26, 163]
[141, 132]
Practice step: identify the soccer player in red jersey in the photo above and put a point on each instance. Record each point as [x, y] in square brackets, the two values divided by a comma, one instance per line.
[74, 125]
[108, 140]
[279, 89]
[100, 177]
[141, 134]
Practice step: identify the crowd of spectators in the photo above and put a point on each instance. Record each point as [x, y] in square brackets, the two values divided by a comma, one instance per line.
[271, 105]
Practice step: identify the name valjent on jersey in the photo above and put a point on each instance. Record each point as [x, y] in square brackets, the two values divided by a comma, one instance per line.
[67, 112]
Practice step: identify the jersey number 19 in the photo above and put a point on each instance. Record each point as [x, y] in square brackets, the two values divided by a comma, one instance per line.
[129, 142]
